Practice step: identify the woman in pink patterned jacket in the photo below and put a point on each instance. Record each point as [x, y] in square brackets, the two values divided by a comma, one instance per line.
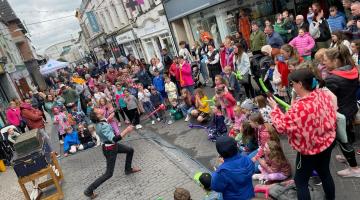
[310, 125]
[303, 43]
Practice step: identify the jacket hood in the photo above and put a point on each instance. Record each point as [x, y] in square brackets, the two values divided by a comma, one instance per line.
[25, 105]
[347, 72]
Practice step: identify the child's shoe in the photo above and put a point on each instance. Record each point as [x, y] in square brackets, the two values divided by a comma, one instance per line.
[187, 118]
[158, 119]
[138, 126]
[153, 122]
[170, 122]
[61, 142]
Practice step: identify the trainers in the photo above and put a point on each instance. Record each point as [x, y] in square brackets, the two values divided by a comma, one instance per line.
[187, 118]
[349, 172]
[340, 158]
[170, 122]
[138, 126]
[258, 177]
[153, 122]
[358, 152]
[158, 119]
[61, 142]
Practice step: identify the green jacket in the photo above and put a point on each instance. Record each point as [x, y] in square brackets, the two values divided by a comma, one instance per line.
[257, 40]
[70, 96]
[282, 29]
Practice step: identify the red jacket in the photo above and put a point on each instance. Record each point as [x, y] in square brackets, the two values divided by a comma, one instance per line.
[310, 123]
[227, 60]
[32, 116]
[284, 71]
[172, 71]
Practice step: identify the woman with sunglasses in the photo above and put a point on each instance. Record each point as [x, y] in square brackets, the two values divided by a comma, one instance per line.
[310, 124]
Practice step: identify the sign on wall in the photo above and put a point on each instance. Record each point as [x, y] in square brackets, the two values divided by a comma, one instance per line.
[93, 21]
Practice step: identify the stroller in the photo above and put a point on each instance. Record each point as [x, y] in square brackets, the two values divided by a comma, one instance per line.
[196, 75]
[6, 147]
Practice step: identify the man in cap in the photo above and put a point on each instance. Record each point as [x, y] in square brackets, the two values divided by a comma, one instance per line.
[233, 177]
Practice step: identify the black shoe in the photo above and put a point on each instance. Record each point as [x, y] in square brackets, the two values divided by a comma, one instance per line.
[133, 170]
[91, 195]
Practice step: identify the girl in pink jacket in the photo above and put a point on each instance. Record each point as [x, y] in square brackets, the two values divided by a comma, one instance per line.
[185, 75]
[303, 43]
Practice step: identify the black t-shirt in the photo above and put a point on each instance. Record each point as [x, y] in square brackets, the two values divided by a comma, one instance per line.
[85, 137]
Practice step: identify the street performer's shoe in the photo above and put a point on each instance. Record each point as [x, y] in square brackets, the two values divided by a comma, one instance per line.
[91, 196]
[133, 170]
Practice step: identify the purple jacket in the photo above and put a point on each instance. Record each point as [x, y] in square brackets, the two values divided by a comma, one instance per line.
[303, 44]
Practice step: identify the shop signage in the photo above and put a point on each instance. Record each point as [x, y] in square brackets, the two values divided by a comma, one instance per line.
[125, 37]
[176, 9]
[151, 26]
[93, 22]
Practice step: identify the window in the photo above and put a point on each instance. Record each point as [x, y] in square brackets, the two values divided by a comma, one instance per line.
[167, 42]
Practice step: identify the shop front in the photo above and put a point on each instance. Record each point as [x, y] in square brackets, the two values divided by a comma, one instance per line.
[222, 18]
[115, 50]
[155, 36]
[100, 48]
[129, 44]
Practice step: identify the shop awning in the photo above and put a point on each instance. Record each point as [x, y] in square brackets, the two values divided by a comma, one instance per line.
[52, 66]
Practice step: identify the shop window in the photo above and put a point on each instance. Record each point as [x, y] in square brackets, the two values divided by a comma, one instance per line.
[168, 44]
[205, 23]
[150, 48]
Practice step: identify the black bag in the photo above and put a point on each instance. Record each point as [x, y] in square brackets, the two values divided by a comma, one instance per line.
[29, 142]
[29, 164]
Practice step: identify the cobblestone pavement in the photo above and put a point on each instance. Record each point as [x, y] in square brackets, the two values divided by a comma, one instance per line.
[161, 174]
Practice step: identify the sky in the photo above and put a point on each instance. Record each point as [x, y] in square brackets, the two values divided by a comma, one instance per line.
[46, 34]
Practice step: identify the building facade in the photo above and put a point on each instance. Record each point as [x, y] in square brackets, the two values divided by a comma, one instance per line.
[123, 27]
[220, 18]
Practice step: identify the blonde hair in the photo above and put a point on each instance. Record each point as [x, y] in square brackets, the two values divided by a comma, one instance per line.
[340, 53]
[319, 55]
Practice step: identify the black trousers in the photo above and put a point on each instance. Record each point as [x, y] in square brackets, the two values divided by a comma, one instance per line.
[305, 164]
[110, 165]
[134, 116]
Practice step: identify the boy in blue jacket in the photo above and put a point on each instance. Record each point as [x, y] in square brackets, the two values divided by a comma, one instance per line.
[233, 177]
[159, 84]
[71, 142]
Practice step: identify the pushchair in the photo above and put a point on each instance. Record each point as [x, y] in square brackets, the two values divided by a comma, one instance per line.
[196, 75]
[6, 147]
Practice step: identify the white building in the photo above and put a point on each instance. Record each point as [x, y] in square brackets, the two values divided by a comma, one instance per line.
[125, 27]
[54, 51]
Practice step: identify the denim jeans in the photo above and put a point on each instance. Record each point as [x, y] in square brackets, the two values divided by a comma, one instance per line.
[186, 110]
[190, 88]
[204, 71]
[110, 165]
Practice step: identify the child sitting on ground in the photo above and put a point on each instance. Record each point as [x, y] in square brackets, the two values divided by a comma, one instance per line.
[218, 126]
[240, 117]
[264, 108]
[94, 136]
[71, 142]
[85, 137]
[202, 108]
[247, 139]
[274, 166]
[175, 111]
[204, 180]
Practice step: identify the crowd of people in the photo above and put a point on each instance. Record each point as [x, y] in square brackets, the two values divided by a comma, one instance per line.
[315, 71]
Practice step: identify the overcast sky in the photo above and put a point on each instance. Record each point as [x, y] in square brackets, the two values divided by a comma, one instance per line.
[45, 34]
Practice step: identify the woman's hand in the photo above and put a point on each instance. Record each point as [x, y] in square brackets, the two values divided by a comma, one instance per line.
[272, 102]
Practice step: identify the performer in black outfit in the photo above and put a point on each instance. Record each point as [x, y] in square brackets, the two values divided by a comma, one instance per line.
[110, 150]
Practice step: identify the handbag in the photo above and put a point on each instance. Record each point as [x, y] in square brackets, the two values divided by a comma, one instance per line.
[30, 164]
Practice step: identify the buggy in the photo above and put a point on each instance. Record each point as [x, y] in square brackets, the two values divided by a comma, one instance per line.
[6, 147]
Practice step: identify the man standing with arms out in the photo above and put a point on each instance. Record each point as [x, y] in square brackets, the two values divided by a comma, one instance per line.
[257, 39]
[110, 150]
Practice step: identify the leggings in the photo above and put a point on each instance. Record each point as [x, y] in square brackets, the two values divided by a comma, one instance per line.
[342, 139]
[249, 90]
[230, 113]
[305, 164]
[134, 116]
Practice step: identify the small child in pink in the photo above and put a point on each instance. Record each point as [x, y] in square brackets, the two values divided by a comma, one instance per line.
[227, 101]
[61, 122]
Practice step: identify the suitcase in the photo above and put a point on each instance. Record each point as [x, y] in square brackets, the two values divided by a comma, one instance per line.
[28, 142]
[29, 164]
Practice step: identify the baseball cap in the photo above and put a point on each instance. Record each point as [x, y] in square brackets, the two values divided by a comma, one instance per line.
[203, 179]
[226, 146]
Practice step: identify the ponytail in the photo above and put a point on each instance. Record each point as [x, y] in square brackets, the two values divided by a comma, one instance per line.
[340, 53]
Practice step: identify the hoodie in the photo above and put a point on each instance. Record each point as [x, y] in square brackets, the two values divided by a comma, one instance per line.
[71, 139]
[343, 82]
[336, 23]
[303, 44]
[233, 178]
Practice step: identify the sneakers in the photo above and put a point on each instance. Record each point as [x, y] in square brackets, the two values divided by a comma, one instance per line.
[66, 154]
[138, 127]
[170, 122]
[91, 195]
[358, 152]
[187, 118]
[61, 142]
[349, 172]
[258, 177]
[158, 119]
[153, 122]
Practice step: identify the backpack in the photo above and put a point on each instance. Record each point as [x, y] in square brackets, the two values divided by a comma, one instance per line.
[281, 192]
